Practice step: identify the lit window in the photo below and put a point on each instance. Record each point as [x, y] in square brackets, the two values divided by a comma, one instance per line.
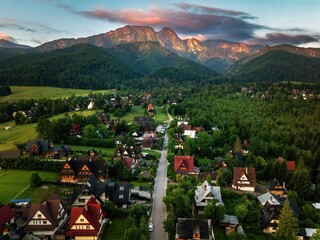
[121, 188]
[121, 196]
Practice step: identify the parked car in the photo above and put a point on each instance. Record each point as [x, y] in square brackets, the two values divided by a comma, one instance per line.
[150, 227]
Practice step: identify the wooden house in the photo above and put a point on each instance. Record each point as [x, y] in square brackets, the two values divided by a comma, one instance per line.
[46, 149]
[7, 216]
[192, 228]
[205, 193]
[244, 179]
[45, 219]
[79, 170]
[184, 165]
[85, 222]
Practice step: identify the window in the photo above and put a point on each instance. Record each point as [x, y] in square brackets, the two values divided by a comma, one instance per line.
[81, 219]
[39, 215]
[44, 222]
[121, 188]
[121, 196]
[87, 227]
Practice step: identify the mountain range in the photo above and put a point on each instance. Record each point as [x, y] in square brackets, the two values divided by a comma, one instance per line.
[145, 51]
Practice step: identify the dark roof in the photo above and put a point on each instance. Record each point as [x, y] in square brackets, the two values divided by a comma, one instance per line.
[250, 173]
[6, 214]
[50, 209]
[96, 166]
[13, 154]
[294, 205]
[119, 192]
[186, 227]
[41, 144]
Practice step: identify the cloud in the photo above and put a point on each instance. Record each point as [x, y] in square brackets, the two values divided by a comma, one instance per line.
[5, 36]
[185, 19]
[280, 38]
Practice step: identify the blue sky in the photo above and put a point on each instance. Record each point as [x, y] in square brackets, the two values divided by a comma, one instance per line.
[33, 22]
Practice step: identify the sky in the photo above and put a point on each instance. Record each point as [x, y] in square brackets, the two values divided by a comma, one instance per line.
[272, 22]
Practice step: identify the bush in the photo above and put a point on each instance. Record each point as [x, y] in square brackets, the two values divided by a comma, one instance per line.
[35, 180]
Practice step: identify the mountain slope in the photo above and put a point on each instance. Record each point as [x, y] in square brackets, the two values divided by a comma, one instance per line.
[215, 54]
[146, 57]
[80, 66]
[8, 44]
[276, 66]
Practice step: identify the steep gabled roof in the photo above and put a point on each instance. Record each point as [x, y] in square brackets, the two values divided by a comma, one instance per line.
[6, 214]
[206, 191]
[50, 209]
[91, 212]
[185, 161]
[291, 165]
[249, 173]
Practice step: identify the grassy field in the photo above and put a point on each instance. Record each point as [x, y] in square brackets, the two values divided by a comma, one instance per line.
[116, 229]
[13, 182]
[23, 92]
[84, 113]
[160, 116]
[106, 152]
[21, 133]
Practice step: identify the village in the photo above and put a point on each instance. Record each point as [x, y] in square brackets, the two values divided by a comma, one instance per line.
[225, 193]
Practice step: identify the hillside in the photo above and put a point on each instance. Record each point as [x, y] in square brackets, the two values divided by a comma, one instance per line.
[80, 66]
[86, 66]
[276, 66]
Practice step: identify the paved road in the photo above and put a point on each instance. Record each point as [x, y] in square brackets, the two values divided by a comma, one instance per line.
[158, 214]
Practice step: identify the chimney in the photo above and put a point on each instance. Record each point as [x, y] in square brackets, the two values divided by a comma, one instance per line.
[246, 170]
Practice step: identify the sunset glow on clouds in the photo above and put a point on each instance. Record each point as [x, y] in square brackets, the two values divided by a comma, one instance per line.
[209, 20]
[6, 37]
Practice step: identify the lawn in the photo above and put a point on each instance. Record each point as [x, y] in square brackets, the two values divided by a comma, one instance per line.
[106, 152]
[84, 113]
[161, 116]
[20, 133]
[219, 233]
[135, 111]
[13, 182]
[116, 229]
[23, 92]
[41, 193]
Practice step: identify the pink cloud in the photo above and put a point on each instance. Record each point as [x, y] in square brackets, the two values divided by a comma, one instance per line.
[5, 36]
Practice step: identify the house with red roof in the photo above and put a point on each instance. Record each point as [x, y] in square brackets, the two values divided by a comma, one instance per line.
[45, 218]
[244, 179]
[7, 216]
[291, 166]
[85, 222]
[184, 165]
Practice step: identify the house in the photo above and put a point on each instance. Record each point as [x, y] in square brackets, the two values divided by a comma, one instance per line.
[129, 155]
[79, 170]
[230, 222]
[305, 233]
[118, 193]
[150, 109]
[271, 206]
[45, 148]
[91, 105]
[190, 133]
[149, 139]
[145, 123]
[205, 193]
[244, 179]
[93, 188]
[75, 129]
[44, 219]
[316, 206]
[192, 228]
[291, 166]
[13, 154]
[85, 222]
[7, 216]
[184, 165]
[275, 188]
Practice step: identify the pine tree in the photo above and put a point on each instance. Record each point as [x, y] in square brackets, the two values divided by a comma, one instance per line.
[288, 223]
[301, 181]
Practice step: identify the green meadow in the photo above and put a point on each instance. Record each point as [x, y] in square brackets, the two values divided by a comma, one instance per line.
[24, 92]
[13, 182]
